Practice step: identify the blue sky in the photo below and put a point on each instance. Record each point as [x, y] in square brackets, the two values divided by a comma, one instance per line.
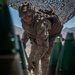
[16, 19]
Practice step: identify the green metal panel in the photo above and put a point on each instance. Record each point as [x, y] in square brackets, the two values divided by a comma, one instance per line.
[66, 62]
[54, 56]
[22, 55]
[7, 35]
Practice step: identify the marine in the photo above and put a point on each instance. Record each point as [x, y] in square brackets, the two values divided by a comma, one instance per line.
[41, 28]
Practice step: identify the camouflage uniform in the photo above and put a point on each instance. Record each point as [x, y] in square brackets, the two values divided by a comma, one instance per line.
[41, 33]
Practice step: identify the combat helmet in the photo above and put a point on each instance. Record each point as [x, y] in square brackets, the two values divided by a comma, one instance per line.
[24, 8]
